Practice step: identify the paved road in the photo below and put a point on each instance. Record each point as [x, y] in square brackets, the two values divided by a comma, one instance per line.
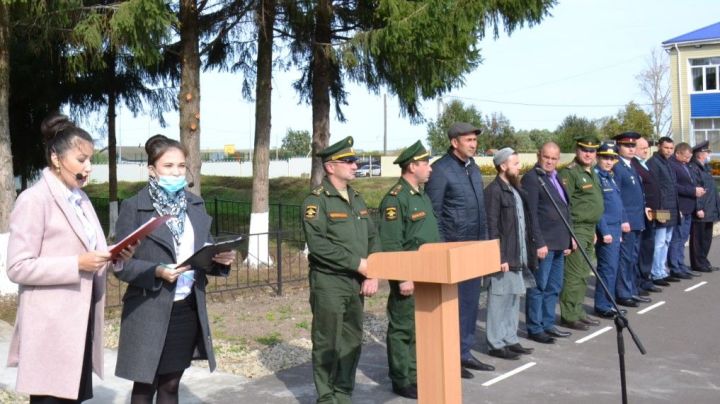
[682, 337]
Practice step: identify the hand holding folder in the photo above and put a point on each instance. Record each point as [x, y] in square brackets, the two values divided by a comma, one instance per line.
[203, 258]
[139, 234]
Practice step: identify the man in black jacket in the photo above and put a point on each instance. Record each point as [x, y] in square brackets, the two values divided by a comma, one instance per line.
[666, 216]
[553, 242]
[652, 203]
[707, 213]
[688, 192]
[509, 221]
[456, 191]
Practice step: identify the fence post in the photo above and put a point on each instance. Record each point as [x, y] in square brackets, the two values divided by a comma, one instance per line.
[278, 254]
[217, 219]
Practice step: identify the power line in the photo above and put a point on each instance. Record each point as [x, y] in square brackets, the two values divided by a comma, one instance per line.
[527, 104]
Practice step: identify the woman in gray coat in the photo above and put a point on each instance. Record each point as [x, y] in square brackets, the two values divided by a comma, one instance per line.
[164, 320]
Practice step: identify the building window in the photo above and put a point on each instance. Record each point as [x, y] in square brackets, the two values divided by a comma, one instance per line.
[704, 74]
[707, 129]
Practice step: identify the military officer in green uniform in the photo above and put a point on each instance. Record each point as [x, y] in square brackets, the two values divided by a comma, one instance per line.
[586, 207]
[340, 235]
[407, 222]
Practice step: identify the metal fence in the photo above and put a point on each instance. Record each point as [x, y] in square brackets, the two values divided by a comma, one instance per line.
[285, 241]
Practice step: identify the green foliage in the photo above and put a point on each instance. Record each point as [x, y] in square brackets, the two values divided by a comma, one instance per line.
[455, 111]
[631, 118]
[570, 128]
[296, 143]
[270, 339]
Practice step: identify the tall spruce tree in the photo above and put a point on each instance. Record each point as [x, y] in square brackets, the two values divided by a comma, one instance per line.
[415, 49]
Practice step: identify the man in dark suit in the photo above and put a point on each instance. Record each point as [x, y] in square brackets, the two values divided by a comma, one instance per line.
[688, 192]
[633, 199]
[553, 242]
[643, 269]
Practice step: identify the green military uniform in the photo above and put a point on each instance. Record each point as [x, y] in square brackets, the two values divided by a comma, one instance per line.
[586, 207]
[339, 232]
[407, 222]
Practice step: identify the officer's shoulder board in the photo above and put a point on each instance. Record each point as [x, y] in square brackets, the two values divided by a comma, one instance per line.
[396, 190]
[571, 164]
[317, 190]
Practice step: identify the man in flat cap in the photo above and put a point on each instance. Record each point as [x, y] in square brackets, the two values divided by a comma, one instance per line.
[687, 193]
[633, 200]
[407, 223]
[456, 191]
[340, 235]
[509, 221]
[707, 210]
[586, 207]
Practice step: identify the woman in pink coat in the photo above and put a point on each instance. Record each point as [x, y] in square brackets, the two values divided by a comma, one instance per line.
[58, 255]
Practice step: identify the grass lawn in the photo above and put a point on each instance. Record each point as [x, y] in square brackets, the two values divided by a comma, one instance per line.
[288, 190]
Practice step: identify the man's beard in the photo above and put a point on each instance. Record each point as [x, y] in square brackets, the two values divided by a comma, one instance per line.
[513, 179]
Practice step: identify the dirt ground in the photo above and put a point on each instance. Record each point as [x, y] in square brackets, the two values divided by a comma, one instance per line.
[255, 332]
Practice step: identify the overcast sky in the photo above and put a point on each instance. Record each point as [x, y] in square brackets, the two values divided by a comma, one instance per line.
[581, 60]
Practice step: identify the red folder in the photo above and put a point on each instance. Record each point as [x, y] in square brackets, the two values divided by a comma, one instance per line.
[139, 234]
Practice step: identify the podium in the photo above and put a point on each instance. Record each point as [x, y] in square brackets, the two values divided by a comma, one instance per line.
[436, 268]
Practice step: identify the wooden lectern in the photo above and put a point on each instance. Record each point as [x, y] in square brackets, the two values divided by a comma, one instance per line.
[436, 268]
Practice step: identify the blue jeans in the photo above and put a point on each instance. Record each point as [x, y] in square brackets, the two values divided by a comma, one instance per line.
[468, 300]
[663, 235]
[676, 252]
[540, 301]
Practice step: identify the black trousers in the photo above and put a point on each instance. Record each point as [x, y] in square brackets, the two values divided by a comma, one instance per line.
[645, 256]
[700, 242]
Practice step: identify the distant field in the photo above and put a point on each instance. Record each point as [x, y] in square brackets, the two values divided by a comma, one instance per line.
[288, 190]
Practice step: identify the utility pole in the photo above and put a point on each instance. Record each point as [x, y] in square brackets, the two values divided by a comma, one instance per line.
[385, 124]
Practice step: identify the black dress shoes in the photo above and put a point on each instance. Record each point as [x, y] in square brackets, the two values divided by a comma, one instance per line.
[517, 348]
[504, 353]
[590, 321]
[606, 314]
[643, 292]
[671, 278]
[466, 374]
[661, 282]
[642, 299]
[627, 302]
[680, 275]
[702, 269]
[654, 289]
[541, 338]
[693, 274]
[554, 332]
[475, 364]
[575, 325]
[408, 391]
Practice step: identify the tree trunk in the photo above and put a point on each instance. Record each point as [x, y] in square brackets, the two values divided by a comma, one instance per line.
[112, 143]
[7, 179]
[320, 88]
[190, 91]
[259, 219]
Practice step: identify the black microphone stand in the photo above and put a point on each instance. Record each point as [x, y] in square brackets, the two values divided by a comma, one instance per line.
[621, 321]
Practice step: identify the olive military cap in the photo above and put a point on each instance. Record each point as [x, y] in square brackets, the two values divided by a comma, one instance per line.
[341, 150]
[587, 141]
[416, 152]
